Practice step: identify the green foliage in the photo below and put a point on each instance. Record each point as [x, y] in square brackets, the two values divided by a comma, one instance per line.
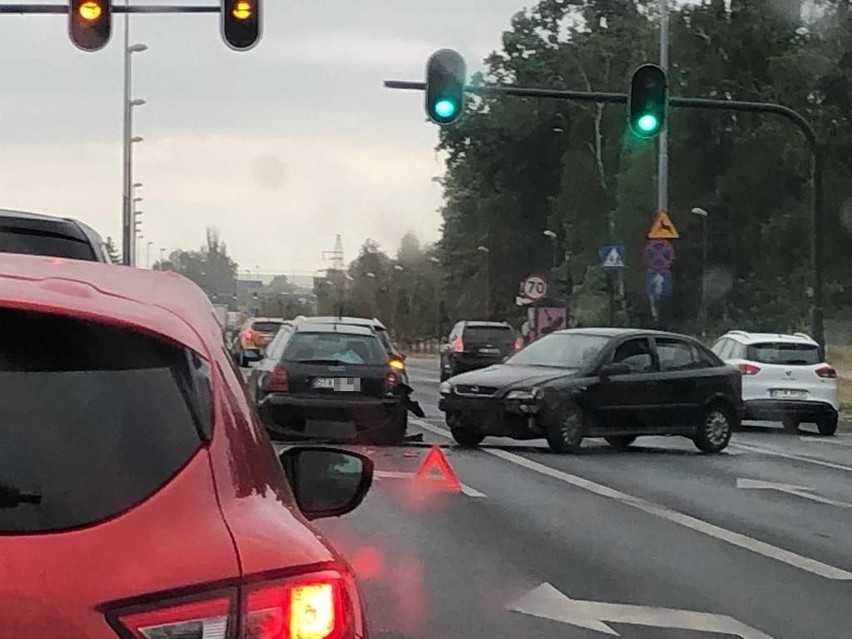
[210, 268]
[511, 174]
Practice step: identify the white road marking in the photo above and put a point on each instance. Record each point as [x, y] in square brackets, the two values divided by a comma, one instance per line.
[392, 474]
[798, 491]
[827, 440]
[547, 602]
[802, 458]
[693, 523]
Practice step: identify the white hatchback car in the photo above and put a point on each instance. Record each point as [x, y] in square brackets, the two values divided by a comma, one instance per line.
[784, 378]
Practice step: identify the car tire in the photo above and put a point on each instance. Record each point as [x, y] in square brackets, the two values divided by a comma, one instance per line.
[394, 433]
[790, 424]
[566, 429]
[466, 437]
[827, 425]
[714, 429]
[620, 442]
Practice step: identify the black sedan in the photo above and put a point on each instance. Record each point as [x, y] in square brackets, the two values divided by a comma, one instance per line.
[605, 382]
[339, 375]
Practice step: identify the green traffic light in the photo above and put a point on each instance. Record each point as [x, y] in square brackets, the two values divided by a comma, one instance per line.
[648, 123]
[445, 108]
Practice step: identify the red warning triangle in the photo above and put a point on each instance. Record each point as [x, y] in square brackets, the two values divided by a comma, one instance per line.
[436, 459]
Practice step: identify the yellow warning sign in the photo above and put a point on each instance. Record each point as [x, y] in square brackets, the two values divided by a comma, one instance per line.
[662, 228]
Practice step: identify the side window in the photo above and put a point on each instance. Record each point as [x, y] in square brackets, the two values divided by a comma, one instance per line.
[674, 354]
[704, 357]
[636, 353]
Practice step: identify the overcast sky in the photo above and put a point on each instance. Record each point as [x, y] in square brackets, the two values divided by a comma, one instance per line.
[279, 148]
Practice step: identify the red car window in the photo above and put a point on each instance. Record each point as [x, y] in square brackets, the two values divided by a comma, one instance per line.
[79, 427]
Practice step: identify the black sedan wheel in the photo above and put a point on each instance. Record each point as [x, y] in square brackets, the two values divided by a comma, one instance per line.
[394, 432]
[463, 432]
[565, 432]
[620, 442]
[714, 429]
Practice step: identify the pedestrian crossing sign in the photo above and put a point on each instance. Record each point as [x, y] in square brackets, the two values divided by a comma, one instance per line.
[612, 257]
[663, 228]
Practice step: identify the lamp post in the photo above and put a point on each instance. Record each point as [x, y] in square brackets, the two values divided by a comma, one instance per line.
[705, 216]
[129, 248]
[552, 237]
[486, 253]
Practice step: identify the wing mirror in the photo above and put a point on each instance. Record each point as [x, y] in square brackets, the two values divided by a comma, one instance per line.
[613, 369]
[327, 482]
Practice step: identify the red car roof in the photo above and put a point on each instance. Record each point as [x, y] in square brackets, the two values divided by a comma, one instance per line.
[160, 302]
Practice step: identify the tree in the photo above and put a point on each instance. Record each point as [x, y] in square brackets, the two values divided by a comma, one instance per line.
[210, 267]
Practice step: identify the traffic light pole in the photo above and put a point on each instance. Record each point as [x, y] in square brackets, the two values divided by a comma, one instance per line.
[817, 311]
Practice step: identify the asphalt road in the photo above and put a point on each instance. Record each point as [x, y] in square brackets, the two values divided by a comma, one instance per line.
[658, 541]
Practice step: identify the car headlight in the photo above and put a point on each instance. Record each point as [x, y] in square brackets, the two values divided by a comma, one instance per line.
[445, 388]
[523, 394]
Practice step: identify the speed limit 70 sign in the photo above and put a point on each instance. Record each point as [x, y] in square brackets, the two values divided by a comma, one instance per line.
[533, 287]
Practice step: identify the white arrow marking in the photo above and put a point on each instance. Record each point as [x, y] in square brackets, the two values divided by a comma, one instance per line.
[798, 491]
[547, 602]
[392, 474]
[659, 282]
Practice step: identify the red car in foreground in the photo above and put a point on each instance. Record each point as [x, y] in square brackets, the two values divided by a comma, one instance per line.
[139, 496]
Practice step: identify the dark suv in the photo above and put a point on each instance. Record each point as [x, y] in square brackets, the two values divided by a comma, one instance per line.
[472, 345]
[37, 234]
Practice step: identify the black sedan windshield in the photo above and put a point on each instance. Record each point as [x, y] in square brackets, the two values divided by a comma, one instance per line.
[562, 350]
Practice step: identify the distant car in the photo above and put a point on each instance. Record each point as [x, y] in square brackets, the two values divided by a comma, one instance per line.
[784, 378]
[599, 382]
[103, 445]
[334, 373]
[253, 338]
[472, 345]
[36, 234]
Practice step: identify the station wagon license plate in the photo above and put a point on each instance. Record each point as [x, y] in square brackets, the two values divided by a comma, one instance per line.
[489, 351]
[785, 393]
[342, 384]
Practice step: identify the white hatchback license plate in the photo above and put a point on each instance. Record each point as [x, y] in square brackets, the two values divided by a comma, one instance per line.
[783, 393]
[343, 384]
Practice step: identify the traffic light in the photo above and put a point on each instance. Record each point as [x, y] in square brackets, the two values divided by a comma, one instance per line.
[90, 23]
[446, 74]
[649, 101]
[241, 23]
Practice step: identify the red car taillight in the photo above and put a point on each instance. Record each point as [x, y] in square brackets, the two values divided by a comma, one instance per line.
[279, 380]
[748, 369]
[826, 372]
[458, 345]
[391, 381]
[519, 344]
[312, 607]
[307, 610]
[197, 620]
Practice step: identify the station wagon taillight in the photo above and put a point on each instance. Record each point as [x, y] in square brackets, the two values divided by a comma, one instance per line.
[518, 345]
[391, 381]
[826, 372]
[748, 369]
[458, 345]
[316, 606]
[279, 380]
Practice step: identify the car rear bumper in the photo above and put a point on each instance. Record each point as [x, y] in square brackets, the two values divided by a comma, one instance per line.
[775, 409]
[293, 412]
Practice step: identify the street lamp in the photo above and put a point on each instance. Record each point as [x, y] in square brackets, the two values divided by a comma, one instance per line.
[127, 106]
[552, 237]
[705, 216]
[486, 253]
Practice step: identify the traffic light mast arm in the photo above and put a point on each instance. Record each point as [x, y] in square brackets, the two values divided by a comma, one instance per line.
[817, 310]
[63, 8]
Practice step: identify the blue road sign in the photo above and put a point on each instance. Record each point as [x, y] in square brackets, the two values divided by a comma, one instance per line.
[658, 283]
[612, 257]
[659, 255]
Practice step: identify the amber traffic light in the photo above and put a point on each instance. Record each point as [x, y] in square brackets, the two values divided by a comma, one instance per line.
[241, 23]
[90, 23]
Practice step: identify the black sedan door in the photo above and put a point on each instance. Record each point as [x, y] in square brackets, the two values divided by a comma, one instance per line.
[627, 402]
